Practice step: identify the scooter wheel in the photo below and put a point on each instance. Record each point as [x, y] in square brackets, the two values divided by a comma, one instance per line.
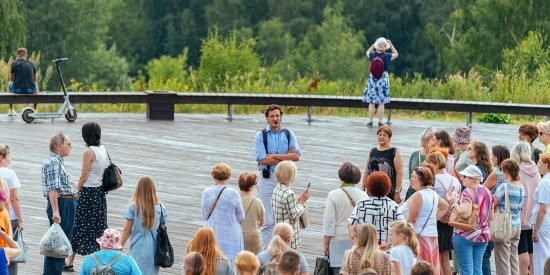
[26, 115]
[71, 115]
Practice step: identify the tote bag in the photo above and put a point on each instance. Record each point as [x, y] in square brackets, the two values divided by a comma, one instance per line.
[501, 225]
[164, 257]
[469, 224]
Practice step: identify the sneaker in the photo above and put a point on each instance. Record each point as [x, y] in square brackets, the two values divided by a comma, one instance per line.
[68, 268]
[380, 124]
[12, 113]
[369, 124]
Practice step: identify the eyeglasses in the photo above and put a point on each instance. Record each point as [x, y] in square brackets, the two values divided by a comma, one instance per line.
[383, 135]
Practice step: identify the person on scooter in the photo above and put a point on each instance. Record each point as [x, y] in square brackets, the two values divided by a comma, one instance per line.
[22, 77]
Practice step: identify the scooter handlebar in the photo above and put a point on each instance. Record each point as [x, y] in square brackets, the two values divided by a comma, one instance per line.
[60, 60]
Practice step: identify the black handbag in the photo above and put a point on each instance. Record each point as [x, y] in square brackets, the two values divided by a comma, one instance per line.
[164, 257]
[112, 176]
[322, 266]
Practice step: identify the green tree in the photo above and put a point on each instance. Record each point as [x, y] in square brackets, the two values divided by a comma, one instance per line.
[332, 50]
[274, 41]
[225, 58]
[76, 29]
[14, 27]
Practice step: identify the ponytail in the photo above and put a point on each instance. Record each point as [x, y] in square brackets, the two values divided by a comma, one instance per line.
[409, 234]
[276, 247]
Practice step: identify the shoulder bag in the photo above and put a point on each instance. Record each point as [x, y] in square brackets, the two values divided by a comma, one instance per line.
[470, 223]
[112, 176]
[215, 203]
[164, 257]
[447, 216]
[304, 219]
[322, 266]
[349, 197]
[429, 215]
[501, 225]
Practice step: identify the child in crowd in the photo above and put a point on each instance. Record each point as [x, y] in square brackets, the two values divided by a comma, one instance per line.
[404, 255]
[4, 217]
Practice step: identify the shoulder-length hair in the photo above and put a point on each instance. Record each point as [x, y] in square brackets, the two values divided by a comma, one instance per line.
[145, 198]
[91, 133]
[285, 172]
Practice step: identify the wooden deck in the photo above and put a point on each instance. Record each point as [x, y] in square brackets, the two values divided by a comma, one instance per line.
[179, 154]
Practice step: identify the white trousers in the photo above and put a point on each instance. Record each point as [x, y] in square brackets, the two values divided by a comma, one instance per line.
[541, 251]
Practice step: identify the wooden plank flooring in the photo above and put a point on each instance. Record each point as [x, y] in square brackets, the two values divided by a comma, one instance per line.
[179, 154]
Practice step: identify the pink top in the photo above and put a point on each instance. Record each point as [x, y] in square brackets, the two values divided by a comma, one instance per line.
[529, 178]
[484, 199]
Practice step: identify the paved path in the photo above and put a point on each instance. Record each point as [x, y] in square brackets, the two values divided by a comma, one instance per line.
[179, 155]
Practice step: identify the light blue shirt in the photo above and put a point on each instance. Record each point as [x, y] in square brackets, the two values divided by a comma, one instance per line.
[276, 144]
[124, 266]
[265, 257]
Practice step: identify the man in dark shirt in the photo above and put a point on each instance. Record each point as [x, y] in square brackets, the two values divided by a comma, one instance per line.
[22, 77]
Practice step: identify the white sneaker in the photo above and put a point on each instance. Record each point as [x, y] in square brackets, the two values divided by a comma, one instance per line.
[12, 113]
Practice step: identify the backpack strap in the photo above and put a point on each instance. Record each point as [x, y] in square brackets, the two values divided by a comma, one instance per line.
[96, 259]
[264, 136]
[115, 259]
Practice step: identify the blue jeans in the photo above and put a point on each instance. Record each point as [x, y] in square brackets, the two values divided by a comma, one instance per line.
[486, 265]
[23, 91]
[67, 211]
[469, 255]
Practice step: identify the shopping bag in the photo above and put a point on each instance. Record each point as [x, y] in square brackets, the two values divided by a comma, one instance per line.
[18, 238]
[55, 243]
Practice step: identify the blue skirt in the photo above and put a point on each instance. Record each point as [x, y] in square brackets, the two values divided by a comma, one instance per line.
[377, 90]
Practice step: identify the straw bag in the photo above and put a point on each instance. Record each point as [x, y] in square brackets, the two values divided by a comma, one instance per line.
[304, 219]
[469, 224]
[501, 225]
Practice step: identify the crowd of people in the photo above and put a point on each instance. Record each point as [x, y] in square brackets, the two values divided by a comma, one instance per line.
[368, 228]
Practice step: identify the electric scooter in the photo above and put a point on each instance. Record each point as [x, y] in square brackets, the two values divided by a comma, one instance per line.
[29, 115]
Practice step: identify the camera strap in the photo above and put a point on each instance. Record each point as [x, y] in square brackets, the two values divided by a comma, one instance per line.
[264, 135]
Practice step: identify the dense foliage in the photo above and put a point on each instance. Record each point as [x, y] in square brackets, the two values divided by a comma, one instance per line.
[453, 49]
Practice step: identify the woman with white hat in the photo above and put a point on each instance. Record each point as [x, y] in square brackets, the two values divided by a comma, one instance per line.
[378, 84]
[470, 245]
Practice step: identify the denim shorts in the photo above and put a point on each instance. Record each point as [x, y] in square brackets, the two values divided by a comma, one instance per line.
[22, 91]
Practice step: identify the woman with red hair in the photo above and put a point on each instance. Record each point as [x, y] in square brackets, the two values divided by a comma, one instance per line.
[377, 209]
[204, 242]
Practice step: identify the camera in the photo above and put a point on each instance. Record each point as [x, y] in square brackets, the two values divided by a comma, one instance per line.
[266, 173]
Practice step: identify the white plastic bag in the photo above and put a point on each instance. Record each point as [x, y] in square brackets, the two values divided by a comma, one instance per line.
[55, 243]
[22, 257]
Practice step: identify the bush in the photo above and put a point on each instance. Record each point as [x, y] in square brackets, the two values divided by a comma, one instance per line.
[495, 118]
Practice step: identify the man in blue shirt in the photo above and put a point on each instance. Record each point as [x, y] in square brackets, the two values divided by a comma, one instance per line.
[60, 192]
[279, 148]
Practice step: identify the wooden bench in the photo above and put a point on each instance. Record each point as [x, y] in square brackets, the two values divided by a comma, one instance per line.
[160, 104]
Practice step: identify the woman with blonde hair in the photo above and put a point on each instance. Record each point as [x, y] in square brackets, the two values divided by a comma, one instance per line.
[282, 237]
[254, 213]
[247, 263]
[544, 135]
[286, 207]
[143, 217]
[419, 156]
[222, 210]
[204, 242]
[406, 250]
[365, 253]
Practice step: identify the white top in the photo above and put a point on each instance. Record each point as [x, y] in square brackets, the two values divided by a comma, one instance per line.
[447, 180]
[430, 199]
[450, 166]
[338, 210]
[405, 257]
[542, 195]
[13, 182]
[335, 221]
[97, 168]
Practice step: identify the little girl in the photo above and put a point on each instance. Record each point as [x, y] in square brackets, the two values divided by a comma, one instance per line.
[10, 185]
[404, 254]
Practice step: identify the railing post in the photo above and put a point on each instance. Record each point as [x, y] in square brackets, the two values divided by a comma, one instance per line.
[309, 114]
[230, 112]
[388, 112]
[160, 105]
[469, 119]
[547, 118]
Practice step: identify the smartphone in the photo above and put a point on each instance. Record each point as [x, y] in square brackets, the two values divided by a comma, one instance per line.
[308, 184]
